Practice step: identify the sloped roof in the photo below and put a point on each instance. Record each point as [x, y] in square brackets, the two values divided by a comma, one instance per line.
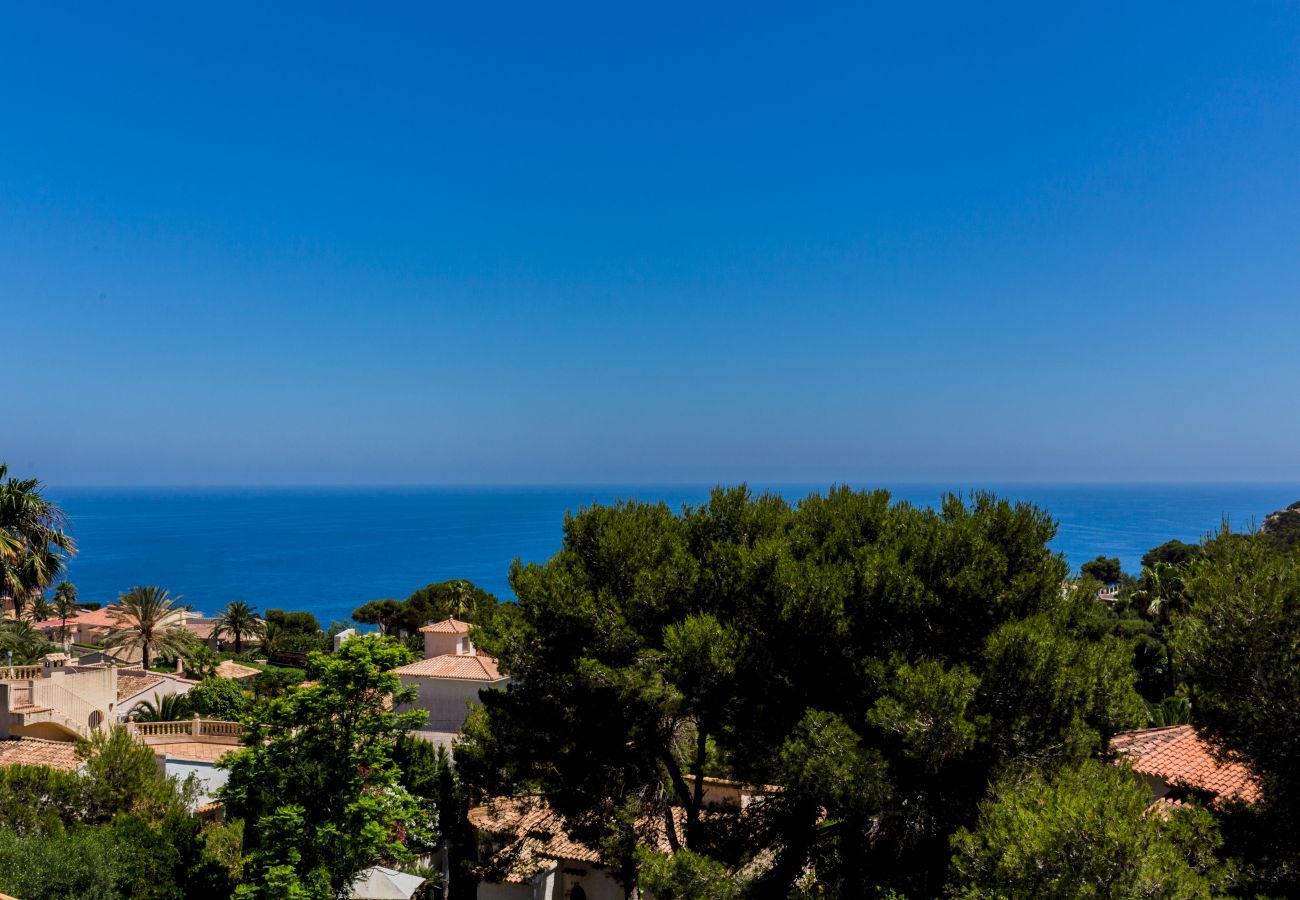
[446, 626]
[381, 883]
[1179, 756]
[96, 618]
[36, 752]
[466, 667]
[536, 838]
[131, 683]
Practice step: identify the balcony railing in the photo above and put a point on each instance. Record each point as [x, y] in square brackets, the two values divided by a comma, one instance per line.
[187, 728]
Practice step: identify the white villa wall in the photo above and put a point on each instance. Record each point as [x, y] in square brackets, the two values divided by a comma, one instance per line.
[446, 700]
[208, 777]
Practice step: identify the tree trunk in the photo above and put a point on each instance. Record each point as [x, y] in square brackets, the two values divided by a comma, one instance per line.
[697, 799]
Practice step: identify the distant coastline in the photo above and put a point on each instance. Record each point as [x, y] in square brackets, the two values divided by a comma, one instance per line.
[330, 549]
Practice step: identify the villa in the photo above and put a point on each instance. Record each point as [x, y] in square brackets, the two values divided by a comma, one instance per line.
[449, 678]
[1177, 764]
[55, 700]
[527, 854]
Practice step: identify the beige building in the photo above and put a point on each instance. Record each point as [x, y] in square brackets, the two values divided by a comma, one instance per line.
[449, 678]
[55, 700]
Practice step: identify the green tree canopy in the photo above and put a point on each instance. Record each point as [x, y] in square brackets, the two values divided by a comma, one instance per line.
[1172, 553]
[1238, 648]
[457, 598]
[1105, 569]
[218, 698]
[316, 783]
[879, 661]
[1084, 833]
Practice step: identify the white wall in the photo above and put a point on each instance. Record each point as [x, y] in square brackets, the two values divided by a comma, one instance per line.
[445, 700]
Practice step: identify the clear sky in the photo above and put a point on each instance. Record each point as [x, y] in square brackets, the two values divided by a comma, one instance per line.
[394, 243]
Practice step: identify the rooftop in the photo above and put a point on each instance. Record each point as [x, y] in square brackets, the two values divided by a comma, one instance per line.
[37, 752]
[460, 666]
[446, 626]
[1179, 756]
[131, 682]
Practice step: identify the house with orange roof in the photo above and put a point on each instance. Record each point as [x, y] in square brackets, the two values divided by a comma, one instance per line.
[1177, 764]
[526, 850]
[135, 686]
[449, 679]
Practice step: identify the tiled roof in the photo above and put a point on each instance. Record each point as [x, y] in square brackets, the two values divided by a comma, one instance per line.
[536, 838]
[447, 626]
[36, 752]
[471, 668]
[130, 683]
[96, 618]
[194, 751]
[1179, 756]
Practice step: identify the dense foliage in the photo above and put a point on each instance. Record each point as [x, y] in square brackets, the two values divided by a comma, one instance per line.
[1085, 833]
[458, 599]
[882, 663]
[117, 829]
[1238, 645]
[316, 783]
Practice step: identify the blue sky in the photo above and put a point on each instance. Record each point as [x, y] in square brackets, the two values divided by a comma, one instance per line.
[560, 243]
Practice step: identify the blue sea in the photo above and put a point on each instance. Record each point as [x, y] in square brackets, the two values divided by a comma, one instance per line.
[328, 550]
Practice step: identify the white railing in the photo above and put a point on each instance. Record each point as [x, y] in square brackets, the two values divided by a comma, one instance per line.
[195, 727]
[61, 700]
[19, 673]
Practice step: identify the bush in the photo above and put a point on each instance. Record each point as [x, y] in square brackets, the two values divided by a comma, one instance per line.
[218, 698]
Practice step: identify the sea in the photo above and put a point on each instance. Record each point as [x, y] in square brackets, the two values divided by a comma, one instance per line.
[329, 550]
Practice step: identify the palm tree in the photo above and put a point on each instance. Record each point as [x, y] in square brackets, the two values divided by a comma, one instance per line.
[1164, 592]
[273, 639]
[40, 609]
[34, 543]
[171, 708]
[65, 606]
[147, 617]
[22, 644]
[238, 619]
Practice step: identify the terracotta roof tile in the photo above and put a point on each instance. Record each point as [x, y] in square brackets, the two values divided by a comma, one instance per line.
[36, 752]
[446, 626]
[1179, 756]
[194, 751]
[133, 683]
[536, 838]
[472, 668]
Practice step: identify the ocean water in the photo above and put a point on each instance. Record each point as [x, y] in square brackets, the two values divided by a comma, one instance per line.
[328, 550]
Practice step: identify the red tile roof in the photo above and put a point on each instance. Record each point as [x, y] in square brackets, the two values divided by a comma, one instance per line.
[472, 668]
[130, 683]
[1179, 756]
[536, 838]
[37, 752]
[447, 626]
[95, 618]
